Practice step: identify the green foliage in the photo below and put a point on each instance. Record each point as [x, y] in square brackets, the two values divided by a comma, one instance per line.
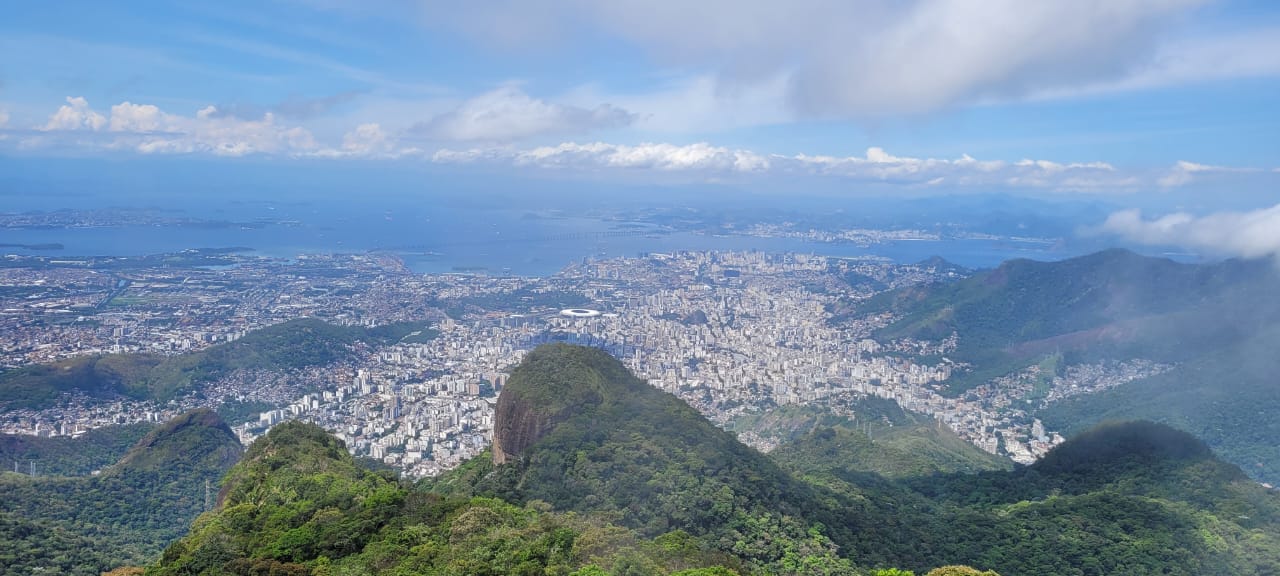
[1105, 305]
[617, 447]
[39, 386]
[628, 480]
[1228, 398]
[1131, 498]
[29, 547]
[1218, 323]
[959, 571]
[1135, 498]
[903, 451]
[298, 502]
[67, 456]
[128, 512]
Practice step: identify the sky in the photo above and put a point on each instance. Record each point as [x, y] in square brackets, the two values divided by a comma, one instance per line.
[1166, 109]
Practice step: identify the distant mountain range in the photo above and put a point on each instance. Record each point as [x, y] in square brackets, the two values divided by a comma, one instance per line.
[1217, 324]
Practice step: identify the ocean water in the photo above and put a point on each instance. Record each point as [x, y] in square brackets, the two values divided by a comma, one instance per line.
[515, 229]
[446, 240]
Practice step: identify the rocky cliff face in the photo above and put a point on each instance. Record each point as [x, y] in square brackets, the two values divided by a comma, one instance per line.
[517, 425]
[553, 383]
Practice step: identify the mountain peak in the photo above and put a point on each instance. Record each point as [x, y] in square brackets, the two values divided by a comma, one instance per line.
[1113, 448]
[196, 435]
[553, 382]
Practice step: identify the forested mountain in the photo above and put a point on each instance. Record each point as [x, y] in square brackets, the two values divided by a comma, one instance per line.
[298, 504]
[127, 513]
[876, 436]
[68, 456]
[594, 472]
[1215, 324]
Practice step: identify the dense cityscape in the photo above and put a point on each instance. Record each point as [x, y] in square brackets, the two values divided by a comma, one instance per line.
[731, 333]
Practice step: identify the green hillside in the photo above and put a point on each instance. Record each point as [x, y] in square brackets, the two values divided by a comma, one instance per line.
[905, 452]
[1112, 304]
[606, 475]
[294, 344]
[128, 512]
[68, 456]
[299, 504]
[1217, 324]
[1123, 498]
[1158, 502]
[610, 444]
[1229, 398]
[873, 435]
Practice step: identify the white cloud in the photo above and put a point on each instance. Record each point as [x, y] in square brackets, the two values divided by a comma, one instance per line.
[876, 165]
[75, 115]
[1240, 54]
[868, 58]
[129, 117]
[4, 117]
[147, 129]
[699, 156]
[507, 114]
[1183, 173]
[366, 139]
[1246, 234]
[699, 104]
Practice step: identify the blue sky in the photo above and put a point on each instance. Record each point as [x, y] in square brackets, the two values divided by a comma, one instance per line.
[1170, 103]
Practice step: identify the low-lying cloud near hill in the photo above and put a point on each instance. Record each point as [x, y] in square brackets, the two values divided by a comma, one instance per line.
[1245, 234]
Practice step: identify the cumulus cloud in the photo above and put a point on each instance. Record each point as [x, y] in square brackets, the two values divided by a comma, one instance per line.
[147, 129]
[507, 114]
[130, 117]
[866, 58]
[75, 115]
[1245, 234]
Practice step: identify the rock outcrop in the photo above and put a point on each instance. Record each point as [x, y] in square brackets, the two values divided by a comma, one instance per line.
[550, 385]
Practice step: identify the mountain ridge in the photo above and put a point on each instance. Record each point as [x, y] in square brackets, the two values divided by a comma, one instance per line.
[1213, 326]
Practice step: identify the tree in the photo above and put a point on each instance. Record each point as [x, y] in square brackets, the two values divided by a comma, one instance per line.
[959, 571]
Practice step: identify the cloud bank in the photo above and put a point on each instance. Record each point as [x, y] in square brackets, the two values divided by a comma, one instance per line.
[869, 58]
[147, 129]
[876, 166]
[508, 114]
[1244, 234]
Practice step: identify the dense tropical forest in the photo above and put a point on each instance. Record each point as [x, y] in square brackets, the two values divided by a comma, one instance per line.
[125, 514]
